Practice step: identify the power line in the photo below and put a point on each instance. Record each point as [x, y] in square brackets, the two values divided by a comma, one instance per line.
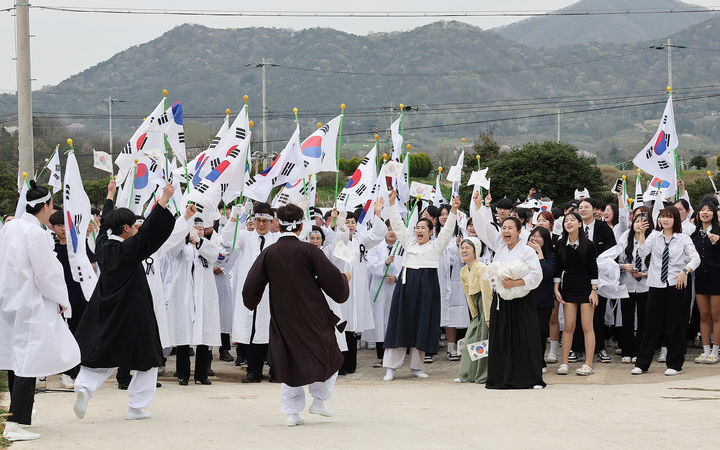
[370, 14]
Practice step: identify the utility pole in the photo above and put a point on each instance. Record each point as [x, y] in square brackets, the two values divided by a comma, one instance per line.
[24, 88]
[669, 46]
[264, 109]
[558, 124]
[110, 101]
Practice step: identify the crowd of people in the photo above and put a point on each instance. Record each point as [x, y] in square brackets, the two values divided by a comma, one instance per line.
[301, 290]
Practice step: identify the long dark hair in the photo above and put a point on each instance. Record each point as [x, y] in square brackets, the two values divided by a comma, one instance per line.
[447, 208]
[547, 239]
[583, 241]
[714, 224]
[433, 212]
[616, 212]
[630, 247]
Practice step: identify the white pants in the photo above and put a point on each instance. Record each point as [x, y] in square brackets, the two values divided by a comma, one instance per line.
[293, 398]
[140, 392]
[393, 358]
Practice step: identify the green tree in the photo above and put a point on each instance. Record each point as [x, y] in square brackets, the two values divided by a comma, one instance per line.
[553, 168]
[420, 165]
[698, 162]
[487, 147]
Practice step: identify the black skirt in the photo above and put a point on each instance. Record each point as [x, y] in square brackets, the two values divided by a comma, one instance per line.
[515, 356]
[414, 319]
[706, 282]
[576, 288]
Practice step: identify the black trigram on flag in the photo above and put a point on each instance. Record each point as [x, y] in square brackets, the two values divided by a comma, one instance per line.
[342, 197]
[289, 166]
[80, 274]
[240, 133]
[137, 199]
[214, 143]
[67, 192]
[663, 165]
[365, 160]
[306, 163]
[199, 207]
[163, 119]
[283, 198]
[202, 187]
[324, 129]
[57, 167]
[181, 137]
[649, 153]
[250, 181]
[127, 149]
[77, 219]
[153, 165]
[234, 152]
[361, 189]
[223, 188]
[214, 163]
[273, 181]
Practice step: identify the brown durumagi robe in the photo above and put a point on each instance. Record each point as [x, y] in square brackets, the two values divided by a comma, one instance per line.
[302, 348]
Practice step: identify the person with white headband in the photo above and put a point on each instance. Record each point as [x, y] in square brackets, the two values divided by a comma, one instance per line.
[303, 348]
[119, 328]
[414, 320]
[250, 329]
[35, 340]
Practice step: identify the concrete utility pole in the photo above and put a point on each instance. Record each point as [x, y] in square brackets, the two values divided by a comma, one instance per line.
[264, 109]
[110, 101]
[24, 88]
[558, 124]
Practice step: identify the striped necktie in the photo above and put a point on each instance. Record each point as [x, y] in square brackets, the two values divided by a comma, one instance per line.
[665, 263]
[587, 231]
[638, 261]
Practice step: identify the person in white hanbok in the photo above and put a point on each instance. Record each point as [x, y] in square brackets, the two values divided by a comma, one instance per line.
[251, 329]
[35, 341]
[194, 311]
[384, 263]
[225, 301]
[357, 310]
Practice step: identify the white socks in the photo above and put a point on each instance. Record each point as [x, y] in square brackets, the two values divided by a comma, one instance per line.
[706, 349]
[452, 348]
[554, 347]
[714, 351]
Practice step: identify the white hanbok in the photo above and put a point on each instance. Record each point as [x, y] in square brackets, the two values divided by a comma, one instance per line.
[222, 283]
[381, 306]
[357, 309]
[454, 311]
[247, 249]
[34, 339]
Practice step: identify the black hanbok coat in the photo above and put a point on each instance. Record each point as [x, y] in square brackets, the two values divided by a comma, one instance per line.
[118, 328]
[302, 347]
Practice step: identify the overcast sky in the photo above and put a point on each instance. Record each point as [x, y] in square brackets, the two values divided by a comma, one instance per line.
[67, 43]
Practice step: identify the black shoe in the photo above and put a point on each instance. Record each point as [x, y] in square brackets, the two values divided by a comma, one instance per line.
[192, 352]
[123, 386]
[182, 381]
[572, 357]
[205, 382]
[158, 385]
[239, 363]
[210, 373]
[226, 356]
[251, 379]
[342, 372]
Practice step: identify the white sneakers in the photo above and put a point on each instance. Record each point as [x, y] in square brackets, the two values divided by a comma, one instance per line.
[662, 357]
[16, 432]
[389, 375]
[562, 369]
[419, 373]
[82, 397]
[318, 407]
[40, 383]
[551, 359]
[637, 371]
[705, 358]
[294, 420]
[67, 382]
[136, 414]
[626, 360]
[672, 372]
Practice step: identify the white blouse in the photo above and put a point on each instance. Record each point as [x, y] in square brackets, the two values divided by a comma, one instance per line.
[682, 253]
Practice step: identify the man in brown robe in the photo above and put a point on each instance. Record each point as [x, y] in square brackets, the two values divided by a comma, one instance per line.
[302, 348]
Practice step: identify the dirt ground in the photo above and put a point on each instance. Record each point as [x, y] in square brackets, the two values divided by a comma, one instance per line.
[609, 409]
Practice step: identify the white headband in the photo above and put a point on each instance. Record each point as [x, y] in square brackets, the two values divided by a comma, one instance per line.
[37, 201]
[264, 216]
[316, 232]
[291, 226]
[139, 221]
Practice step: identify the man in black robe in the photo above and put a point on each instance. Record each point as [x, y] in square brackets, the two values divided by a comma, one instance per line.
[118, 328]
[302, 349]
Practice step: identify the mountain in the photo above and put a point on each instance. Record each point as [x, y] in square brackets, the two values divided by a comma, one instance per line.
[555, 31]
[446, 72]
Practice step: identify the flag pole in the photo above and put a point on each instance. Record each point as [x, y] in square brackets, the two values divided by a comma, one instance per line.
[709, 174]
[165, 141]
[337, 156]
[297, 123]
[377, 153]
[387, 267]
[675, 155]
[48, 161]
[477, 157]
